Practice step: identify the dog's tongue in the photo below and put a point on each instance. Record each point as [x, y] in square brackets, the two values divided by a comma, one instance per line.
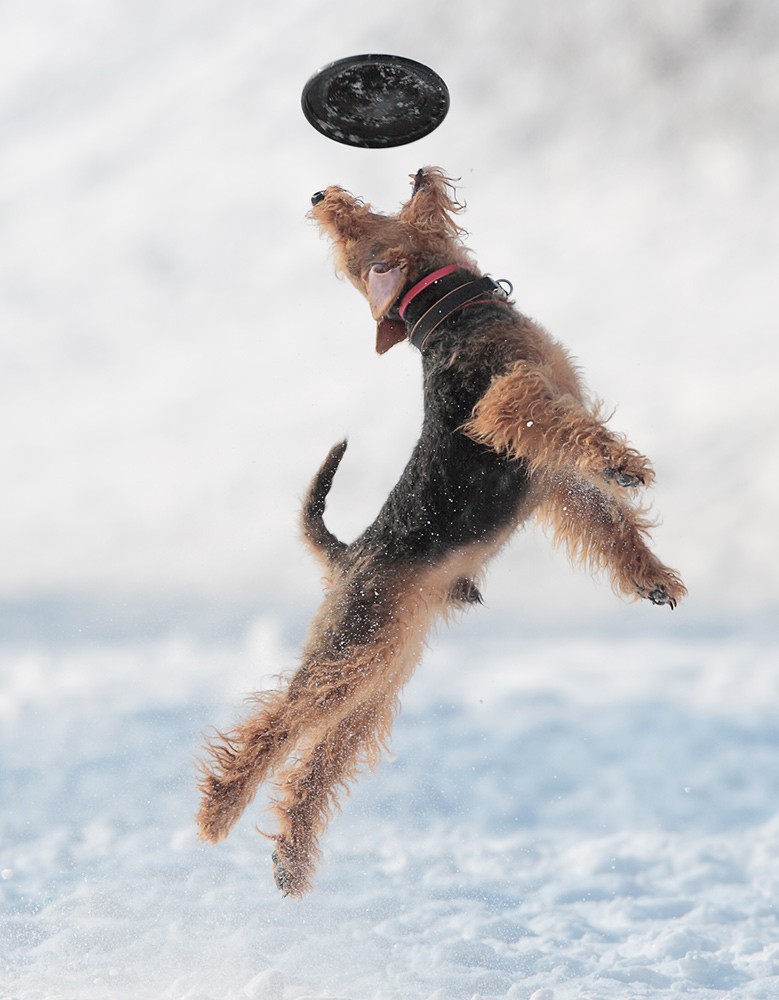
[388, 333]
[383, 288]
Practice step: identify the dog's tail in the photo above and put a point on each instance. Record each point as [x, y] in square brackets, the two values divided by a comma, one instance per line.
[323, 543]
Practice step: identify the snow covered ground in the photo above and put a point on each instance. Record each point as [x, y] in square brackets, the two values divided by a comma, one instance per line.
[584, 798]
[594, 818]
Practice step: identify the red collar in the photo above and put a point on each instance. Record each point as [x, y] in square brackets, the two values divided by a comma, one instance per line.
[470, 293]
[426, 283]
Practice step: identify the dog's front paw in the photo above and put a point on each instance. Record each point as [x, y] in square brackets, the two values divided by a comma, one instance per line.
[628, 469]
[670, 592]
[626, 479]
[658, 596]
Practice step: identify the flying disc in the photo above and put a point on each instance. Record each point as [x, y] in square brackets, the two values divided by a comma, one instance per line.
[375, 101]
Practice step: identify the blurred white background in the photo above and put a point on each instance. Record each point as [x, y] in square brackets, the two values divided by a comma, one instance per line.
[176, 356]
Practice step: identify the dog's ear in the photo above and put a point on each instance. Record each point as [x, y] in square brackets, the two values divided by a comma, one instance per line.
[384, 286]
[388, 333]
[433, 206]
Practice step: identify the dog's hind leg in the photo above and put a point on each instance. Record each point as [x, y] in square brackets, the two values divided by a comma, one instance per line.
[363, 636]
[241, 760]
[356, 695]
[310, 790]
[318, 695]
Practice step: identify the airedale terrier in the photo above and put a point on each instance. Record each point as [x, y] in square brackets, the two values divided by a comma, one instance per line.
[509, 431]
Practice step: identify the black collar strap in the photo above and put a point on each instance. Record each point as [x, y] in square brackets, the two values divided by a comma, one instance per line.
[470, 293]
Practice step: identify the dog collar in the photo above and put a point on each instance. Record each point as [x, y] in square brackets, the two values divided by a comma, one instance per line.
[470, 293]
[420, 286]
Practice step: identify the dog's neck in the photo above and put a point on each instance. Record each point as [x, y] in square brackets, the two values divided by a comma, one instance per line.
[433, 299]
[420, 286]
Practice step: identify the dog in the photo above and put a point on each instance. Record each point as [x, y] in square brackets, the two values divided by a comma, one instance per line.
[509, 432]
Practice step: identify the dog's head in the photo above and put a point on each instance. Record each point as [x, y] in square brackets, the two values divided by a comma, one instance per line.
[382, 255]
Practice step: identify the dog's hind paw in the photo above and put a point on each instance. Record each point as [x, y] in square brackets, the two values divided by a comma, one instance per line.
[281, 876]
[465, 591]
[291, 869]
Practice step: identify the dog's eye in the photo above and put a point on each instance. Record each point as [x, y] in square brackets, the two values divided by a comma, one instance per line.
[380, 267]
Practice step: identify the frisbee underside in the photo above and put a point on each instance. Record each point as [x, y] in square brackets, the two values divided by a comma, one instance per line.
[375, 101]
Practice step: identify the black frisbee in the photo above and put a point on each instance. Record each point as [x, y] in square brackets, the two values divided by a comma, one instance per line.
[375, 101]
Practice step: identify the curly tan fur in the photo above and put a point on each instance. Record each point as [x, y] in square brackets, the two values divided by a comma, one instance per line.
[510, 432]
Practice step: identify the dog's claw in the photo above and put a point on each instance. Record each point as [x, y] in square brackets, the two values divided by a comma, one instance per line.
[316, 198]
[659, 595]
[465, 591]
[281, 876]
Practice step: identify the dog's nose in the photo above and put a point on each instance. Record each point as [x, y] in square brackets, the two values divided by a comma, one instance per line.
[316, 198]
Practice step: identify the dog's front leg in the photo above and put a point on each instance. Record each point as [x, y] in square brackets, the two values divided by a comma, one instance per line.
[606, 532]
[524, 415]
